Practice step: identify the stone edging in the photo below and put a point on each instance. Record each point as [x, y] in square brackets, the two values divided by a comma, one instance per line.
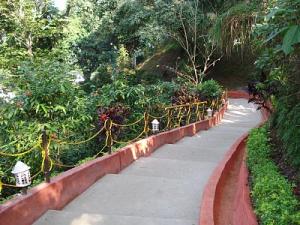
[24, 210]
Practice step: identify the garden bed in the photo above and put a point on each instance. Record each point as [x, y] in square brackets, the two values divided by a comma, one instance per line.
[272, 194]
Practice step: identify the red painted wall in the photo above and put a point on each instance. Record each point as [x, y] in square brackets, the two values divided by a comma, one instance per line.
[243, 212]
[24, 210]
[238, 94]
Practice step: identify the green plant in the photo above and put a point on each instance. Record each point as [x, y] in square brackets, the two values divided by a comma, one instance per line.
[278, 35]
[287, 121]
[210, 90]
[272, 194]
[233, 29]
[46, 97]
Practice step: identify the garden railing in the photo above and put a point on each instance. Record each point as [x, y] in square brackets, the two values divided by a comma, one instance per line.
[173, 117]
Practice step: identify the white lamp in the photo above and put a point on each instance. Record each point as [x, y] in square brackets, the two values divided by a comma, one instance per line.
[22, 174]
[155, 126]
[209, 112]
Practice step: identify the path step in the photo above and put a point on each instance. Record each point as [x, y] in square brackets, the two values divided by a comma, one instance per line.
[196, 153]
[169, 168]
[74, 218]
[144, 196]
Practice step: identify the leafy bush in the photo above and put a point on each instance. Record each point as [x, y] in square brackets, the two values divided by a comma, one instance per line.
[277, 36]
[287, 121]
[209, 90]
[184, 96]
[272, 194]
[45, 97]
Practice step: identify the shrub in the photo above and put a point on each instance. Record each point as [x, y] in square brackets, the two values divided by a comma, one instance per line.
[287, 123]
[272, 194]
[209, 90]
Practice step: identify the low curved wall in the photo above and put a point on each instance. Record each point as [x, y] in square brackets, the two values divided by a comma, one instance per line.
[241, 210]
[244, 214]
[62, 189]
[238, 94]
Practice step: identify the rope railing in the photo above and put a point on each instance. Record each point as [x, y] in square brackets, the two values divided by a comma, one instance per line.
[172, 117]
[128, 125]
[22, 153]
[158, 117]
[79, 142]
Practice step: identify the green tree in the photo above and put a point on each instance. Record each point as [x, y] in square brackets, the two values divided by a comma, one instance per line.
[27, 27]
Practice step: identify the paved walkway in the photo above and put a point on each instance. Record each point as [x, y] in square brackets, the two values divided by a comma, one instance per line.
[163, 189]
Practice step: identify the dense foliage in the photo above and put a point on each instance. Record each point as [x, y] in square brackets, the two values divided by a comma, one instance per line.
[283, 52]
[67, 71]
[272, 194]
[270, 31]
[278, 37]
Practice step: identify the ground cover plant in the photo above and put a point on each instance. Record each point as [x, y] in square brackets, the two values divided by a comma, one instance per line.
[272, 194]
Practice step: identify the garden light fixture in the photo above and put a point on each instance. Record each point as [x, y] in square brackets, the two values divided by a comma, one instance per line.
[155, 126]
[209, 112]
[22, 174]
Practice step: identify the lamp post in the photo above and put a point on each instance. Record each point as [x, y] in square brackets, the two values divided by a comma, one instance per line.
[22, 175]
[155, 126]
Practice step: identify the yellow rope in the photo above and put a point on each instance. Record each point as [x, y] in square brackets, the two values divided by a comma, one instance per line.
[51, 164]
[7, 185]
[71, 166]
[44, 156]
[65, 138]
[126, 142]
[35, 175]
[128, 125]
[101, 151]
[106, 144]
[80, 142]
[43, 159]
[185, 105]
[158, 117]
[22, 153]
[63, 165]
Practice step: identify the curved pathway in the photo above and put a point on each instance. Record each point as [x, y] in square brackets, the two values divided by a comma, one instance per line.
[163, 189]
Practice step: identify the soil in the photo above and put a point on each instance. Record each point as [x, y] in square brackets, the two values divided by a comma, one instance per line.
[286, 169]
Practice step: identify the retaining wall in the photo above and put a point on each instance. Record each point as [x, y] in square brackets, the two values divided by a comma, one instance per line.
[242, 213]
[24, 210]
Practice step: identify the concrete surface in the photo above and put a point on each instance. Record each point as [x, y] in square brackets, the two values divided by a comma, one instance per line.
[162, 189]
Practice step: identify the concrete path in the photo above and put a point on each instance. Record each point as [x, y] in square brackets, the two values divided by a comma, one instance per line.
[163, 189]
